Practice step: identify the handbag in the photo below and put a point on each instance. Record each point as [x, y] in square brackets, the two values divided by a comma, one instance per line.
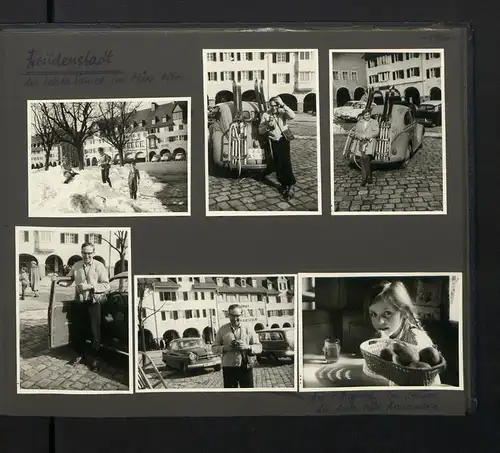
[249, 360]
[287, 133]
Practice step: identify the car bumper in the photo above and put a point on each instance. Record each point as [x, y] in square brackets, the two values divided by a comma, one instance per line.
[207, 364]
[426, 121]
[280, 353]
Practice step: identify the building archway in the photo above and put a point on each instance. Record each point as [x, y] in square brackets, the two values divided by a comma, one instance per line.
[25, 259]
[170, 335]
[165, 151]
[74, 259]
[87, 162]
[140, 156]
[100, 259]
[412, 96]
[191, 333]
[94, 161]
[118, 267]
[223, 96]
[435, 94]
[249, 96]
[209, 334]
[359, 93]
[148, 339]
[275, 326]
[151, 155]
[179, 154]
[54, 264]
[258, 326]
[342, 96]
[378, 98]
[287, 324]
[33, 166]
[310, 103]
[290, 100]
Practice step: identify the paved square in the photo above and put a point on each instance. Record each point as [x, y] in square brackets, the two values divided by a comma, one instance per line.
[42, 368]
[419, 187]
[266, 375]
[250, 194]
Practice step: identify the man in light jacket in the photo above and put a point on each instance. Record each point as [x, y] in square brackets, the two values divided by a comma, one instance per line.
[91, 287]
[235, 341]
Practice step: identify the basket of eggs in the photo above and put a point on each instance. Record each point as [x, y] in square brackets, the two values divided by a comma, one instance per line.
[402, 363]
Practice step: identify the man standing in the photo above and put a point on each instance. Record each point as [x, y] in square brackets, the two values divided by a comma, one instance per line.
[105, 164]
[92, 283]
[133, 180]
[238, 343]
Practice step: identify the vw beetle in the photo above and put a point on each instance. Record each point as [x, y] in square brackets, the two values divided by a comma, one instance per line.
[400, 136]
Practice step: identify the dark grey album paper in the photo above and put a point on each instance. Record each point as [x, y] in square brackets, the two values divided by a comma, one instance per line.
[224, 222]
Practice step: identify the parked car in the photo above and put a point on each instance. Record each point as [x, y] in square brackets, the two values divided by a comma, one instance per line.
[338, 111]
[166, 157]
[400, 135]
[155, 158]
[354, 112]
[429, 113]
[180, 156]
[278, 343]
[114, 316]
[187, 354]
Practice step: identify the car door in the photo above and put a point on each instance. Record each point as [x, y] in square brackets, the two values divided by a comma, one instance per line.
[59, 317]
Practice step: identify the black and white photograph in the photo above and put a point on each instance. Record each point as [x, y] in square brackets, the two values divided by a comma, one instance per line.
[109, 157]
[388, 131]
[262, 143]
[216, 333]
[73, 314]
[380, 331]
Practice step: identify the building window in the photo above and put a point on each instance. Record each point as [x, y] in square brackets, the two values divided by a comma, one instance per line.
[281, 78]
[25, 235]
[413, 72]
[227, 75]
[258, 75]
[345, 75]
[45, 236]
[188, 314]
[93, 238]
[374, 78]
[397, 75]
[336, 75]
[281, 57]
[431, 56]
[354, 75]
[243, 283]
[154, 120]
[167, 296]
[384, 76]
[177, 115]
[185, 296]
[211, 56]
[195, 295]
[219, 281]
[212, 296]
[304, 55]
[204, 313]
[305, 76]
[433, 73]
[409, 56]
[249, 56]
[225, 313]
[163, 316]
[212, 76]
[226, 56]
[397, 57]
[202, 294]
[69, 238]
[175, 315]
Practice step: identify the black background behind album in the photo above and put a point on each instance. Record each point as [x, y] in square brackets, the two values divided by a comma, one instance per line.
[315, 433]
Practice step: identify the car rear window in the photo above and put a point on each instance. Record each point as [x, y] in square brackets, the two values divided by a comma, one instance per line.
[271, 336]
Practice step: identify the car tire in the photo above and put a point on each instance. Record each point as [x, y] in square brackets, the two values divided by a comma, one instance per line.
[184, 369]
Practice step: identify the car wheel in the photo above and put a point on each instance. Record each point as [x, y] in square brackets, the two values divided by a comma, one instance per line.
[217, 367]
[184, 369]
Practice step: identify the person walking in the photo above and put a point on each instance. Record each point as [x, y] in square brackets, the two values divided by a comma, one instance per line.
[274, 125]
[34, 278]
[24, 278]
[133, 180]
[238, 344]
[104, 162]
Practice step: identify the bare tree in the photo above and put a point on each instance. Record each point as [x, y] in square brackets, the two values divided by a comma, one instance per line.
[121, 247]
[44, 131]
[116, 124]
[74, 122]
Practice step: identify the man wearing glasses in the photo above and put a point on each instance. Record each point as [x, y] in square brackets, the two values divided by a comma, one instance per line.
[91, 286]
[237, 343]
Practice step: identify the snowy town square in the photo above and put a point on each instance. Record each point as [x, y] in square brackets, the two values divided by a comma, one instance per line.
[109, 158]
[65, 345]
[387, 132]
[262, 143]
[216, 332]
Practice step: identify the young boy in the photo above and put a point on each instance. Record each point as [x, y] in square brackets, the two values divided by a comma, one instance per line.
[133, 180]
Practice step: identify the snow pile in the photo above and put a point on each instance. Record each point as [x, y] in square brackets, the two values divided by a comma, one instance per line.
[86, 193]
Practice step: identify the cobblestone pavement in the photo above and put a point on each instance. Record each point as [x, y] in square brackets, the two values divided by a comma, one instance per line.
[266, 375]
[419, 187]
[42, 368]
[251, 194]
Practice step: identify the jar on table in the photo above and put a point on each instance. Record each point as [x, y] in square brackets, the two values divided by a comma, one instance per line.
[331, 350]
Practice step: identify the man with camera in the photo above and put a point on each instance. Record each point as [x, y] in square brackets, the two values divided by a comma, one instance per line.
[91, 286]
[238, 343]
